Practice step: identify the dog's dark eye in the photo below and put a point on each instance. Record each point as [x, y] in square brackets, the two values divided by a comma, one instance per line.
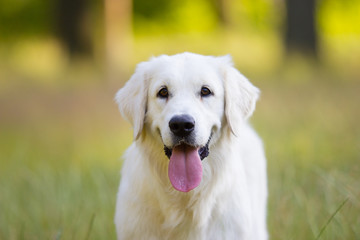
[205, 92]
[163, 93]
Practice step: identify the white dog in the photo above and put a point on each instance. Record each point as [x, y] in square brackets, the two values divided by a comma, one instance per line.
[195, 170]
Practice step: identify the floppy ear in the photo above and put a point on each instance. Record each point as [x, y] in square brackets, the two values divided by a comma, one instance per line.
[240, 96]
[132, 99]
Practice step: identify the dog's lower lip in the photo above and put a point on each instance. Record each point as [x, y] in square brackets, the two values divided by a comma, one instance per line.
[167, 151]
[202, 151]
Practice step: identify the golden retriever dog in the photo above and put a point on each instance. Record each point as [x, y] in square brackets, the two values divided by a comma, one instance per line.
[196, 169]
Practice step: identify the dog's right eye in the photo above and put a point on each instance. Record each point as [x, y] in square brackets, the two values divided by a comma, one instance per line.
[163, 93]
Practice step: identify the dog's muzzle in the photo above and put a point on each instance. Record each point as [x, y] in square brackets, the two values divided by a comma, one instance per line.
[182, 126]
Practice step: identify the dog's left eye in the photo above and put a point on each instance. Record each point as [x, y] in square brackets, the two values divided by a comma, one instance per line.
[205, 92]
[163, 93]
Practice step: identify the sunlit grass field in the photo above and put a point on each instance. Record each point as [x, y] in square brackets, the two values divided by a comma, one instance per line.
[60, 157]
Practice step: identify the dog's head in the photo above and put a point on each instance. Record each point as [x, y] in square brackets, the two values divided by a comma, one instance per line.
[186, 101]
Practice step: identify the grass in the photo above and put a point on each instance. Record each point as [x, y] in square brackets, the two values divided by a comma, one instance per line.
[60, 150]
[59, 158]
[331, 218]
[312, 139]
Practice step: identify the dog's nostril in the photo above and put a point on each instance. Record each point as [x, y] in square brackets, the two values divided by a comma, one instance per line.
[188, 126]
[182, 125]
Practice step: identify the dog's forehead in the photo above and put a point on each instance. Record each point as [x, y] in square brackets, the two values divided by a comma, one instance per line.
[184, 72]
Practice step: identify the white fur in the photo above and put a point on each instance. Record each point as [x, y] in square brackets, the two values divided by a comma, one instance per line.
[230, 202]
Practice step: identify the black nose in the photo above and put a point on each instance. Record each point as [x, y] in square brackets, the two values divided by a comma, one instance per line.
[182, 125]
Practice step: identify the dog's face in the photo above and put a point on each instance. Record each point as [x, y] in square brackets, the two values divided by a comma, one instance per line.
[184, 101]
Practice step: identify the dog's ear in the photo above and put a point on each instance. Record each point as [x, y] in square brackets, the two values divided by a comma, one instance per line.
[132, 99]
[240, 95]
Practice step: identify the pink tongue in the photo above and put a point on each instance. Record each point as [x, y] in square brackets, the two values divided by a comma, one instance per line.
[185, 170]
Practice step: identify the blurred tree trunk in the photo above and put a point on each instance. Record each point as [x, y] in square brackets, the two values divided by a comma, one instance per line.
[118, 37]
[301, 35]
[71, 26]
[221, 8]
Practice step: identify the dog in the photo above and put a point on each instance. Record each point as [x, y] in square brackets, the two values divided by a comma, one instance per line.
[196, 169]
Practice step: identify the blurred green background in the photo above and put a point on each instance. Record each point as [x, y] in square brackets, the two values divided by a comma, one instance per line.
[61, 137]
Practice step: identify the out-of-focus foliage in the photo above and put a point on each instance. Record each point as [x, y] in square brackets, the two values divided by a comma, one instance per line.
[19, 18]
[339, 18]
[151, 9]
[261, 14]
[337, 21]
[174, 16]
[199, 15]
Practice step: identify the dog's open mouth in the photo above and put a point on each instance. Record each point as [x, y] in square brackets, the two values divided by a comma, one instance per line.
[185, 167]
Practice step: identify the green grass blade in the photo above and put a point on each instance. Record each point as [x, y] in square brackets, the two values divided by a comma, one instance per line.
[331, 218]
